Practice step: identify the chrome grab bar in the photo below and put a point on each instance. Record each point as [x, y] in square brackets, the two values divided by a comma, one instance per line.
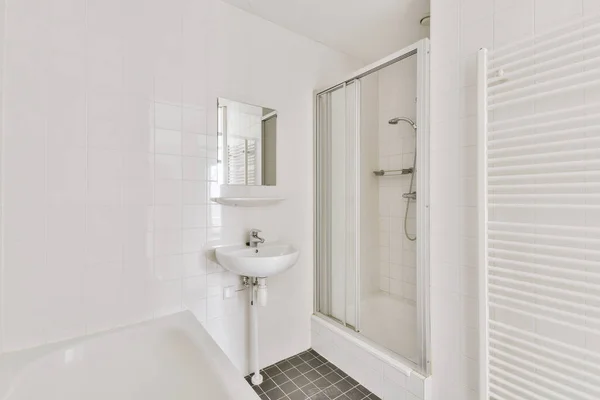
[392, 172]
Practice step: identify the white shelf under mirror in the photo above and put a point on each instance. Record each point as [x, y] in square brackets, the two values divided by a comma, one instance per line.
[247, 201]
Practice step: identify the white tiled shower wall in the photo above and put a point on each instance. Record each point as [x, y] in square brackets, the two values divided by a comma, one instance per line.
[459, 29]
[109, 161]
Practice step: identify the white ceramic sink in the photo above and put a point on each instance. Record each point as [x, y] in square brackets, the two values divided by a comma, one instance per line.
[263, 261]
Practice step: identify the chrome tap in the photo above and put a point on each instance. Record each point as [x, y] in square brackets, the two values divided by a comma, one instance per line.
[254, 238]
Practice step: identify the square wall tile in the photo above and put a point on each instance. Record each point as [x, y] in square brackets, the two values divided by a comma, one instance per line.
[194, 264]
[168, 116]
[167, 141]
[168, 167]
[195, 192]
[167, 297]
[167, 242]
[168, 267]
[194, 169]
[194, 120]
[168, 192]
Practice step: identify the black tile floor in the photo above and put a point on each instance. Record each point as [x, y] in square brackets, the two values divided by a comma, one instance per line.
[309, 375]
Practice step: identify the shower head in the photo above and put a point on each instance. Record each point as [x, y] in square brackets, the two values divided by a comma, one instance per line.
[394, 121]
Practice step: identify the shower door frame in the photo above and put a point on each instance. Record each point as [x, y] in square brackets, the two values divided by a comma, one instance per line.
[419, 49]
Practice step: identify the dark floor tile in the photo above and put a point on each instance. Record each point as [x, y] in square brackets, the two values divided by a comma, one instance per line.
[304, 368]
[267, 385]
[298, 395]
[363, 389]
[306, 356]
[322, 359]
[322, 383]
[320, 396]
[341, 373]
[324, 369]
[292, 373]
[273, 376]
[310, 389]
[257, 389]
[344, 385]
[313, 375]
[288, 387]
[280, 379]
[373, 397]
[355, 394]
[296, 360]
[330, 365]
[332, 392]
[284, 365]
[275, 394]
[343, 397]
[264, 397]
[313, 352]
[314, 363]
[352, 381]
[333, 377]
[300, 381]
[272, 371]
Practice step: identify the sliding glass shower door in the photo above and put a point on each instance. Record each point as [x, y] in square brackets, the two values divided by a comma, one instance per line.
[371, 223]
[337, 204]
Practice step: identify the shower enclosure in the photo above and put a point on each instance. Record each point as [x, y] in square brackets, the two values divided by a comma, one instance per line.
[372, 205]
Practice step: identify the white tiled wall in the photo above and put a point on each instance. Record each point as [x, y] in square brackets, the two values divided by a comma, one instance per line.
[378, 372]
[459, 29]
[108, 161]
[397, 94]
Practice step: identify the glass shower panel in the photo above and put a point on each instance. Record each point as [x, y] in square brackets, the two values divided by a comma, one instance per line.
[351, 207]
[388, 309]
[337, 205]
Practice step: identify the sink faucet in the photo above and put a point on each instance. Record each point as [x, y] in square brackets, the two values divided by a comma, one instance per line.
[254, 238]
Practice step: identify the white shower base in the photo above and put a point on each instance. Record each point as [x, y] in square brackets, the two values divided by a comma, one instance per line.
[385, 374]
[390, 322]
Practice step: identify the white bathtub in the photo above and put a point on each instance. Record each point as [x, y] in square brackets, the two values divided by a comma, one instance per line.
[169, 358]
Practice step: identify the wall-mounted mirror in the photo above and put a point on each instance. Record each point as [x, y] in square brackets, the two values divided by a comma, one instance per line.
[247, 144]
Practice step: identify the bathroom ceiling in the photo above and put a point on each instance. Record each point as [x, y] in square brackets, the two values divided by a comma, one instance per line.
[366, 29]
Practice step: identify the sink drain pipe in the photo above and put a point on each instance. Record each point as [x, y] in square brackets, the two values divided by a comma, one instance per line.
[258, 296]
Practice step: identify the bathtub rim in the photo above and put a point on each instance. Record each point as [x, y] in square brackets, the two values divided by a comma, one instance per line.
[15, 364]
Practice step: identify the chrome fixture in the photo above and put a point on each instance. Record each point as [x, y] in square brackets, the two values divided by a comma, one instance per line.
[394, 121]
[393, 172]
[410, 195]
[245, 282]
[254, 238]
